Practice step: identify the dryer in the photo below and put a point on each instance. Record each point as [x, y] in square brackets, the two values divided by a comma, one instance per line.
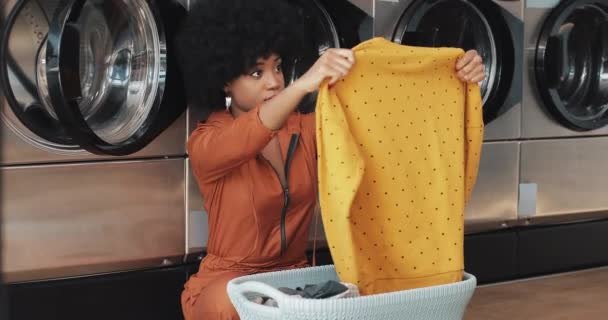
[565, 111]
[92, 137]
[495, 30]
[329, 24]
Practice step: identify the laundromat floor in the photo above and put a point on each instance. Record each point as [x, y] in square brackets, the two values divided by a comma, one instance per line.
[577, 295]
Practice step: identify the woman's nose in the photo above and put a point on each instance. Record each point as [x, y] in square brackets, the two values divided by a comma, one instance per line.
[274, 80]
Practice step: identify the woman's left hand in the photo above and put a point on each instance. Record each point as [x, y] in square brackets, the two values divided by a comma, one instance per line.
[470, 67]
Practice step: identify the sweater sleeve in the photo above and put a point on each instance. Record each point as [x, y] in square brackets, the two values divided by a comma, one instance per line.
[474, 137]
[216, 148]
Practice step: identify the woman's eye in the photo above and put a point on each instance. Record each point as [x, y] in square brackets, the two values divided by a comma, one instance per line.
[278, 68]
[256, 74]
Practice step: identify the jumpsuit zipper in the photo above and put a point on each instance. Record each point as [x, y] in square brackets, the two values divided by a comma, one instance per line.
[292, 148]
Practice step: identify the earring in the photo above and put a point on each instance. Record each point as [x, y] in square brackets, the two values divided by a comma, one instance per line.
[228, 102]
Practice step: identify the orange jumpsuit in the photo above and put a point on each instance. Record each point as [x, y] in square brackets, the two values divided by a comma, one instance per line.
[255, 225]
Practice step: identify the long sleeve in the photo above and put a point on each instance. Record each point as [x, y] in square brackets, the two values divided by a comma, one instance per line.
[474, 137]
[215, 147]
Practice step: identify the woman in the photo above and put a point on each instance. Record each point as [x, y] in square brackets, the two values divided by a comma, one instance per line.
[254, 157]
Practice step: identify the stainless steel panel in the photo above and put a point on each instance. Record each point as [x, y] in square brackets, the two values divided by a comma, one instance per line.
[366, 5]
[570, 173]
[515, 7]
[196, 219]
[197, 230]
[505, 127]
[171, 142]
[16, 150]
[536, 121]
[493, 204]
[78, 219]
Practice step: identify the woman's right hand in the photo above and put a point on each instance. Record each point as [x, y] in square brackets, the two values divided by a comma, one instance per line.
[334, 64]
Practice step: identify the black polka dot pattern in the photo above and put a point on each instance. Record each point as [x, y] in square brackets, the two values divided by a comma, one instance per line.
[397, 165]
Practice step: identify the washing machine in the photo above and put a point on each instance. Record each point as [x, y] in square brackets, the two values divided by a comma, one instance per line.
[565, 111]
[329, 24]
[92, 137]
[495, 30]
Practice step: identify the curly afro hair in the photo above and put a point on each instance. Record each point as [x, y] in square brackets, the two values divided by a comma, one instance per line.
[222, 39]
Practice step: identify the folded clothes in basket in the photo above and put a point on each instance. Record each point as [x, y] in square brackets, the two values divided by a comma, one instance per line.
[326, 290]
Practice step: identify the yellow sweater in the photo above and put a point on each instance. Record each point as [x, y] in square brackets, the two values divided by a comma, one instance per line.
[399, 142]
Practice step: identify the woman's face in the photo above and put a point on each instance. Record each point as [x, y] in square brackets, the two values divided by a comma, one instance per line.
[260, 84]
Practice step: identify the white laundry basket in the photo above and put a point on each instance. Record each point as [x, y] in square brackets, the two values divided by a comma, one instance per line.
[444, 302]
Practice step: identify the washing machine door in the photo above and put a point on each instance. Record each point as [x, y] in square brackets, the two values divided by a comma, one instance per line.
[319, 34]
[571, 63]
[28, 112]
[112, 80]
[467, 24]
[353, 20]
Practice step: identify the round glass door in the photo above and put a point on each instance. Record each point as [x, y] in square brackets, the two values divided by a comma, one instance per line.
[106, 69]
[26, 109]
[320, 34]
[571, 68]
[98, 75]
[469, 25]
